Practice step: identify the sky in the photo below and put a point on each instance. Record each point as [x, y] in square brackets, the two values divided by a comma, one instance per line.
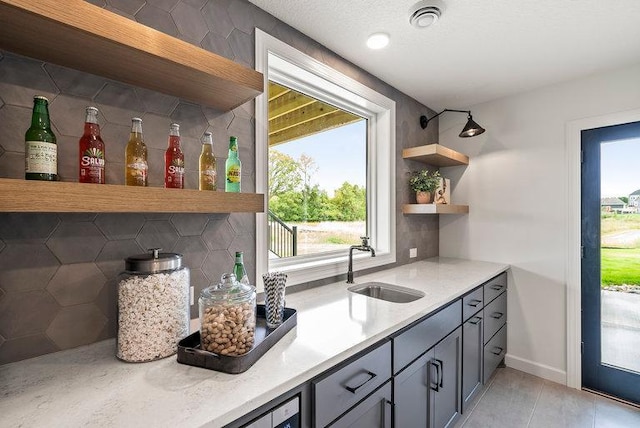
[620, 167]
[339, 154]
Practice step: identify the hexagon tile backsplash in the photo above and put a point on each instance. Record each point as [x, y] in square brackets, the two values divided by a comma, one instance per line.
[58, 271]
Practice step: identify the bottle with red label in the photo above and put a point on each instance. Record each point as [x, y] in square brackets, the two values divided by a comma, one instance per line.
[174, 160]
[91, 150]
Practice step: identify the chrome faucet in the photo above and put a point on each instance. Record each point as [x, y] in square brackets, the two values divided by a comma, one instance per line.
[363, 247]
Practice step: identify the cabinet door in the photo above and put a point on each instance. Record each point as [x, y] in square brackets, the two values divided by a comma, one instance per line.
[446, 401]
[472, 353]
[411, 393]
[373, 412]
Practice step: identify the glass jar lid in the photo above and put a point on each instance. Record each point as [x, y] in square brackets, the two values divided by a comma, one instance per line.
[154, 261]
[228, 289]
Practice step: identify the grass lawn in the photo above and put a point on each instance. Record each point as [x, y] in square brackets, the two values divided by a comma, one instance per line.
[620, 266]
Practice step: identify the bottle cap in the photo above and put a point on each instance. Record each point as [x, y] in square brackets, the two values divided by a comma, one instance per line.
[136, 119]
[40, 97]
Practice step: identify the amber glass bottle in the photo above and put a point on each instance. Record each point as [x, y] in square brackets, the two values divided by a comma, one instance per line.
[91, 156]
[135, 163]
[40, 149]
[208, 173]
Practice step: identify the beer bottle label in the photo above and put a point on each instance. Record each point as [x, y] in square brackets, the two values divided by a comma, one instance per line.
[41, 157]
[233, 174]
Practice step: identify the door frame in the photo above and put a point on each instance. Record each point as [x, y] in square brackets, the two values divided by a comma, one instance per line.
[573, 261]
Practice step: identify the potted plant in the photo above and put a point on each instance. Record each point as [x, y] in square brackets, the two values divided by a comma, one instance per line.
[424, 183]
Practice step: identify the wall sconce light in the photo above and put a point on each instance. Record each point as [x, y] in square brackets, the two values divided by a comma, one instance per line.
[471, 129]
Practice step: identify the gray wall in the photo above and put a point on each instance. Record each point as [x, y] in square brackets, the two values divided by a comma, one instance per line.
[58, 271]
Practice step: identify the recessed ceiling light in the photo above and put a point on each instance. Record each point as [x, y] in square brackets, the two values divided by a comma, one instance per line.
[378, 40]
[425, 13]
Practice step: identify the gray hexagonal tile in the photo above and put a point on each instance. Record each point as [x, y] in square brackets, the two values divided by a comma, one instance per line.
[119, 12]
[12, 165]
[245, 243]
[27, 226]
[22, 314]
[115, 139]
[120, 226]
[157, 234]
[193, 250]
[165, 5]
[156, 131]
[1, 151]
[155, 102]
[127, 6]
[190, 22]
[242, 47]
[76, 217]
[118, 103]
[76, 325]
[190, 224]
[263, 20]
[243, 223]
[76, 283]
[191, 119]
[76, 242]
[217, 44]
[74, 82]
[195, 3]
[99, 3]
[218, 234]
[217, 19]
[107, 302]
[2, 340]
[157, 216]
[158, 19]
[2, 293]
[26, 347]
[198, 281]
[21, 78]
[219, 120]
[241, 14]
[68, 114]
[14, 122]
[111, 258]
[26, 266]
[155, 158]
[68, 158]
[217, 263]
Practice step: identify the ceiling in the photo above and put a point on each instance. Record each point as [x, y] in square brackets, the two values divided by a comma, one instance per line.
[479, 50]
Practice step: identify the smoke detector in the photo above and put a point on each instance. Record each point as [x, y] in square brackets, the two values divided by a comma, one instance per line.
[425, 13]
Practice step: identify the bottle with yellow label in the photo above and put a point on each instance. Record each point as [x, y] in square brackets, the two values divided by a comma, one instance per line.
[233, 168]
[208, 175]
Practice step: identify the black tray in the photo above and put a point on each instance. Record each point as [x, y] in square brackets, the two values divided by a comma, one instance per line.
[189, 351]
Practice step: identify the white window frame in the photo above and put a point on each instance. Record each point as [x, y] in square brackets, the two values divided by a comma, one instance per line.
[286, 65]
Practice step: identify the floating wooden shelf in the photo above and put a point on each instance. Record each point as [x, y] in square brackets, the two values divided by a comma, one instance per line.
[77, 34]
[434, 209]
[435, 154]
[48, 196]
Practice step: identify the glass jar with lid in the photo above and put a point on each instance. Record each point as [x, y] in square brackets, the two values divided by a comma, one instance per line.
[227, 317]
[153, 306]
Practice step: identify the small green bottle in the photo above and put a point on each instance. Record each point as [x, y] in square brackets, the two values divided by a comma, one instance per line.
[239, 270]
[233, 168]
[40, 149]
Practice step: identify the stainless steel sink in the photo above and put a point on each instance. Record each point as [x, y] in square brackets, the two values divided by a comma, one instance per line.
[387, 292]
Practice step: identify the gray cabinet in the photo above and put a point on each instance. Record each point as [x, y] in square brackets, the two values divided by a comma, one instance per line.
[472, 353]
[427, 392]
[495, 327]
[373, 412]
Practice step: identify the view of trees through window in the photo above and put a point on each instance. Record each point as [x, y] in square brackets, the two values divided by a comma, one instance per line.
[317, 175]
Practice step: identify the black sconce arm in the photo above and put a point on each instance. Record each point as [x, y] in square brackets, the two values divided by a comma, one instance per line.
[424, 120]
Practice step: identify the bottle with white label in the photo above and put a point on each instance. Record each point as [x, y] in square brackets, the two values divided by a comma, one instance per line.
[40, 149]
[135, 164]
[233, 167]
[174, 160]
[91, 150]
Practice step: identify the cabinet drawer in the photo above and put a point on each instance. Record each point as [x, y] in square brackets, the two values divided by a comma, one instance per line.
[342, 389]
[494, 287]
[409, 344]
[494, 352]
[472, 303]
[495, 316]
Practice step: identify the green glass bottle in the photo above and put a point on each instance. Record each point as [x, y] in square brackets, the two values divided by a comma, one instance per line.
[40, 148]
[239, 270]
[233, 168]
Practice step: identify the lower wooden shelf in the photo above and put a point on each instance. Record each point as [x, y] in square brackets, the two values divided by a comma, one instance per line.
[434, 209]
[46, 196]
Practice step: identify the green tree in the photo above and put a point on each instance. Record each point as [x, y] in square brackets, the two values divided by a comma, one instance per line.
[284, 173]
[350, 201]
[624, 199]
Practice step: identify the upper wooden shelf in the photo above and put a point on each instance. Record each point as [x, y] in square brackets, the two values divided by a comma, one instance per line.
[51, 196]
[435, 154]
[79, 35]
[434, 209]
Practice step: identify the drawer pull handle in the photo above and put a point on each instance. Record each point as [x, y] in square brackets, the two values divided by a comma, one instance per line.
[436, 364]
[497, 287]
[497, 315]
[475, 320]
[441, 372]
[498, 349]
[474, 302]
[353, 389]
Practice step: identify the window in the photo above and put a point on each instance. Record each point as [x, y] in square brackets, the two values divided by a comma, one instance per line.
[325, 160]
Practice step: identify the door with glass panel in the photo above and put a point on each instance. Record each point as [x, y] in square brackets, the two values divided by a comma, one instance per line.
[610, 217]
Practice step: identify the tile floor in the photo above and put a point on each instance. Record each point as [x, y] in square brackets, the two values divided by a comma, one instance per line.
[516, 399]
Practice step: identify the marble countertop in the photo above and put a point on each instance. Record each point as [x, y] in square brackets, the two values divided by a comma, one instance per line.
[88, 386]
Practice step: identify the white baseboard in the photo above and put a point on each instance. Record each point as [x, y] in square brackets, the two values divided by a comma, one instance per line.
[536, 369]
